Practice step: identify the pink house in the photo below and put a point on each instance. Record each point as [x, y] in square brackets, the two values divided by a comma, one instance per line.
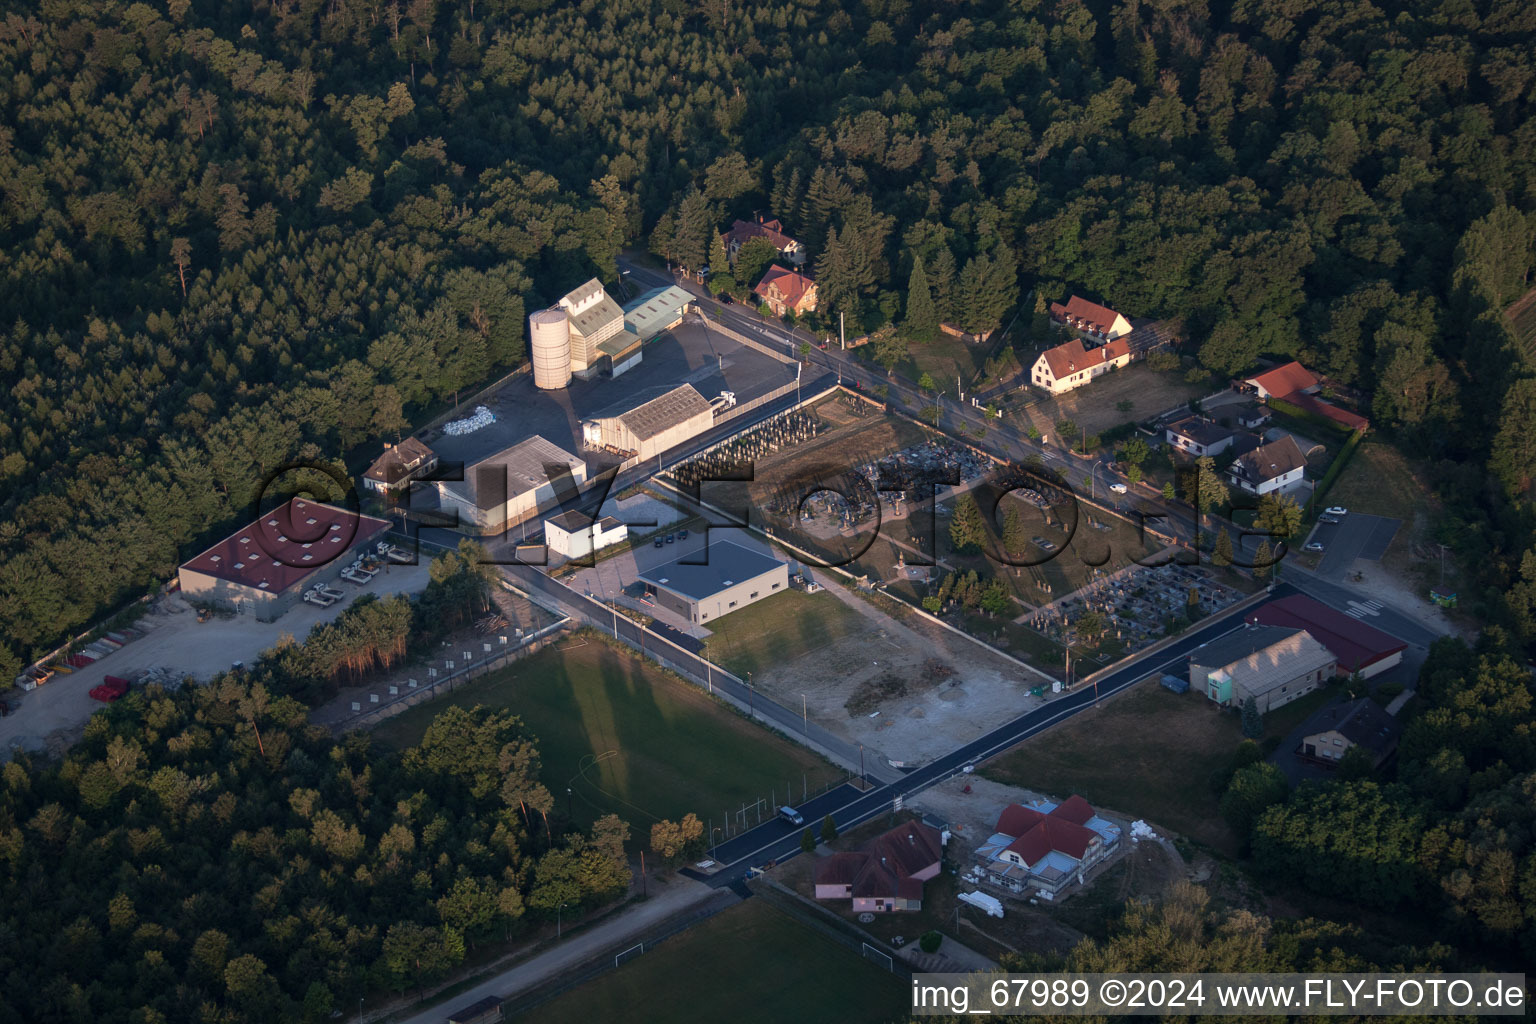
[887, 873]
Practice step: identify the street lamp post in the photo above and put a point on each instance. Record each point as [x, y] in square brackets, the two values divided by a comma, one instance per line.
[805, 722]
[751, 701]
[861, 762]
[714, 847]
[567, 801]
[559, 921]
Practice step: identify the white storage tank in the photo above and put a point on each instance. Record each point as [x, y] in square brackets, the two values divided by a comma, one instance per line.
[549, 332]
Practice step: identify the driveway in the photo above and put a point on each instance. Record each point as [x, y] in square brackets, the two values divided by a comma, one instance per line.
[1356, 536]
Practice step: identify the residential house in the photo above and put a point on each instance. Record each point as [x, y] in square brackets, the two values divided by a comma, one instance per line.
[1331, 732]
[1272, 664]
[785, 290]
[1277, 466]
[1071, 365]
[1099, 323]
[1045, 846]
[885, 874]
[759, 226]
[399, 465]
[1355, 645]
[1198, 436]
[1282, 381]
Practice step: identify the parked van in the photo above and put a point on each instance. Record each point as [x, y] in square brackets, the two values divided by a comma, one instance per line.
[791, 815]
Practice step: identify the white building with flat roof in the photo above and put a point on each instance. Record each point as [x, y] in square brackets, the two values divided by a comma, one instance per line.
[575, 534]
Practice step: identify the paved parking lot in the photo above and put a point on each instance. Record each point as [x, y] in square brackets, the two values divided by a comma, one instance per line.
[1356, 536]
[689, 354]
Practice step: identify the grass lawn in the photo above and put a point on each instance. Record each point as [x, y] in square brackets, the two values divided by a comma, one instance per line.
[748, 964]
[779, 630]
[1147, 752]
[628, 738]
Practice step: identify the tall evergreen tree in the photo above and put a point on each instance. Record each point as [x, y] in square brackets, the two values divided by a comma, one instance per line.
[967, 530]
[942, 282]
[921, 322]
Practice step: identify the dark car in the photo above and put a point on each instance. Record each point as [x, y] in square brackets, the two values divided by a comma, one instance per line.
[671, 537]
[682, 534]
[725, 300]
[659, 542]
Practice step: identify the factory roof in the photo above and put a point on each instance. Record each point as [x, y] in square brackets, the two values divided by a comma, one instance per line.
[512, 471]
[286, 544]
[620, 344]
[656, 310]
[725, 564]
[575, 520]
[658, 409]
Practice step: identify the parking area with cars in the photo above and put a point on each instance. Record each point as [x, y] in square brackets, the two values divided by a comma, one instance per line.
[1341, 536]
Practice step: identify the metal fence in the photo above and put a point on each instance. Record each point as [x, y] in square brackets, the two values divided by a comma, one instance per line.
[372, 714]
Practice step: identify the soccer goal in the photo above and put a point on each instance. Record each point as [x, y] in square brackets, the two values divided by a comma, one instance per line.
[629, 954]
[879, 957]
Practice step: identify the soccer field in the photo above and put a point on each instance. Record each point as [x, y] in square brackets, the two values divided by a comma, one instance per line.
[625, 737]
[751, 964]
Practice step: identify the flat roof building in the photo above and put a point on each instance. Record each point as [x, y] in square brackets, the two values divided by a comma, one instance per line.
[729, 577]
[575, 534]
[657, 420]
[264, 568]
[513, 485]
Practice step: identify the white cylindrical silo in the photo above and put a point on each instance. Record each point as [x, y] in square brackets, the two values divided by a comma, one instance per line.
[549, 332]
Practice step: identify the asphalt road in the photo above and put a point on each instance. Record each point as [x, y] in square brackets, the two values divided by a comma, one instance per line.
[778, 840]
[1357, 535]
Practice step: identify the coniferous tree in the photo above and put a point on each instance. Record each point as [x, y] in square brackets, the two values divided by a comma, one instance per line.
[921, 322]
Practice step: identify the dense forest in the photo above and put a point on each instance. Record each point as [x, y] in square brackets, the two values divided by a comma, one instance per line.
[237, 235]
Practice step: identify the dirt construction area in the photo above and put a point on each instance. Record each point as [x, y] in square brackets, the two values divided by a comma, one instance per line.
[1096, 405]
[910, 690]
[53, 716]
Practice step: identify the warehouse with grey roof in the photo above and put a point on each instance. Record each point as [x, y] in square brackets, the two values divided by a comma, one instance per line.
[513, 485]
[727, 577]
[659, 420]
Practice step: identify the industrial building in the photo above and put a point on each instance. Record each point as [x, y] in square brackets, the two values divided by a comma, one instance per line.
[581, 335]
[1357, 646]
[658, 310]
[730, 577]
[575, 534]
[512, 486]
[1272, 664]
[659, 420]
[264, 568]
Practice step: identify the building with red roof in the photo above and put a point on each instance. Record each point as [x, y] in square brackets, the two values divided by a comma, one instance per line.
[1045, 846]
[887, 873]
[1073, 364]
[1282, 380]
[263, 568]
[770, 228]
[784, 290]
[1356, 646]
[1100, 323]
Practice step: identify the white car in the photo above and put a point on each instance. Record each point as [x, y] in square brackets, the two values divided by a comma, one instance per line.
[1117, 488]
[1337, 510]
[1315, 545]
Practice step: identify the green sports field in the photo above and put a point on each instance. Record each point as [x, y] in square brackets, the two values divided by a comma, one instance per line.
[751, 964]
[628, 738]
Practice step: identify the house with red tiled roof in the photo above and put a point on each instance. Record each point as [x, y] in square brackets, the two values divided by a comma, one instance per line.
[1073, 364]
[743, 231]
[1045, 846]
[887, 873]
[784, 290]
[1098, 323]
[1282, 380]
